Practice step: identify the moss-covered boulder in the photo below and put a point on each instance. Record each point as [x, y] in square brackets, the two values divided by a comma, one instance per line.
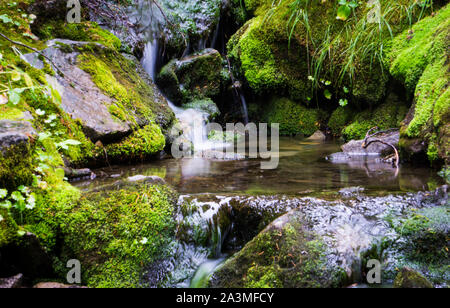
[115, 233]
[194, 77]
[108, 95]
[205, 105]
[285, 254]
[419, 59]
[408, 278]
[290, 47]
[293, 117]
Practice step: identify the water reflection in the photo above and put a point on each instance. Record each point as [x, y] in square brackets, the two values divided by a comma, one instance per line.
[302, 169]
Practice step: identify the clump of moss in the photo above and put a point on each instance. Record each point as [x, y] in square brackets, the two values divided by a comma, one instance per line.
[8, 228]
[115, 234]
[339, 119]
[205, 105]
[16, 166]
[293, 118]
[141, 145]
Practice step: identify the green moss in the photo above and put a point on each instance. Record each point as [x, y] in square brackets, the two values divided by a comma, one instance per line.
[8, 228]
[196, 77]
[117, 77]
[293, 117]
[16, 166]
[84, 31]
[142, 144]
[285, 256]
[263, 277]
[116, 233]
[339, 119]
[10, 113]
[266, 61]
[418, 58]
[387, 115]
[408, 278]
[426, 231]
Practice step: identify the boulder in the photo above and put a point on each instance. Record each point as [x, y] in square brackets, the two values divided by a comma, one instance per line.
[80, 97]
[197, 76]
[410, 279]
[318, 136]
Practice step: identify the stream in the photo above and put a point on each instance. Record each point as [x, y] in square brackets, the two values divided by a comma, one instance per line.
[212, 186]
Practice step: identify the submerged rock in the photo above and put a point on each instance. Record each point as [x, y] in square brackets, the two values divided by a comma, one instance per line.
[318, 136]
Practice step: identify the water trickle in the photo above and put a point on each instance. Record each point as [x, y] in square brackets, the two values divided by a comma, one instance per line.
[150, 59]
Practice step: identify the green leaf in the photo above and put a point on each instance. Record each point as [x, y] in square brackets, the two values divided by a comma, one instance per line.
[3, 193]
[6, 204]
[5, 18]
[346, 90]
[343, 102]
[328, 94]
[344, 12]
[14, 97]
[1, 218]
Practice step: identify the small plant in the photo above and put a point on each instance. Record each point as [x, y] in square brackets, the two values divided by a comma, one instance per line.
[345, 9]
[20, 200]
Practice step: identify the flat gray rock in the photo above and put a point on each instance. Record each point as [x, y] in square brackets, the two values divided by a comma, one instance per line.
[80, 97]
[15, 133]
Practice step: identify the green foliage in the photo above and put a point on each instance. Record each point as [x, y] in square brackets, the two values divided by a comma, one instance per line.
[339, 119]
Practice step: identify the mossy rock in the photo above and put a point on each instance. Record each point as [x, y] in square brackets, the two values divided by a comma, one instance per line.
[339, 119]
[285, 254]
[408, 278]
[141, 145]
[286, 42]
[418, 59]
[195, 77]
[16, 150]
[114, 233]
[294, 118]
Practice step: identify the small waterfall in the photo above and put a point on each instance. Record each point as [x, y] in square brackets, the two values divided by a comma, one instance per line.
[244, 108]
[150, 58]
